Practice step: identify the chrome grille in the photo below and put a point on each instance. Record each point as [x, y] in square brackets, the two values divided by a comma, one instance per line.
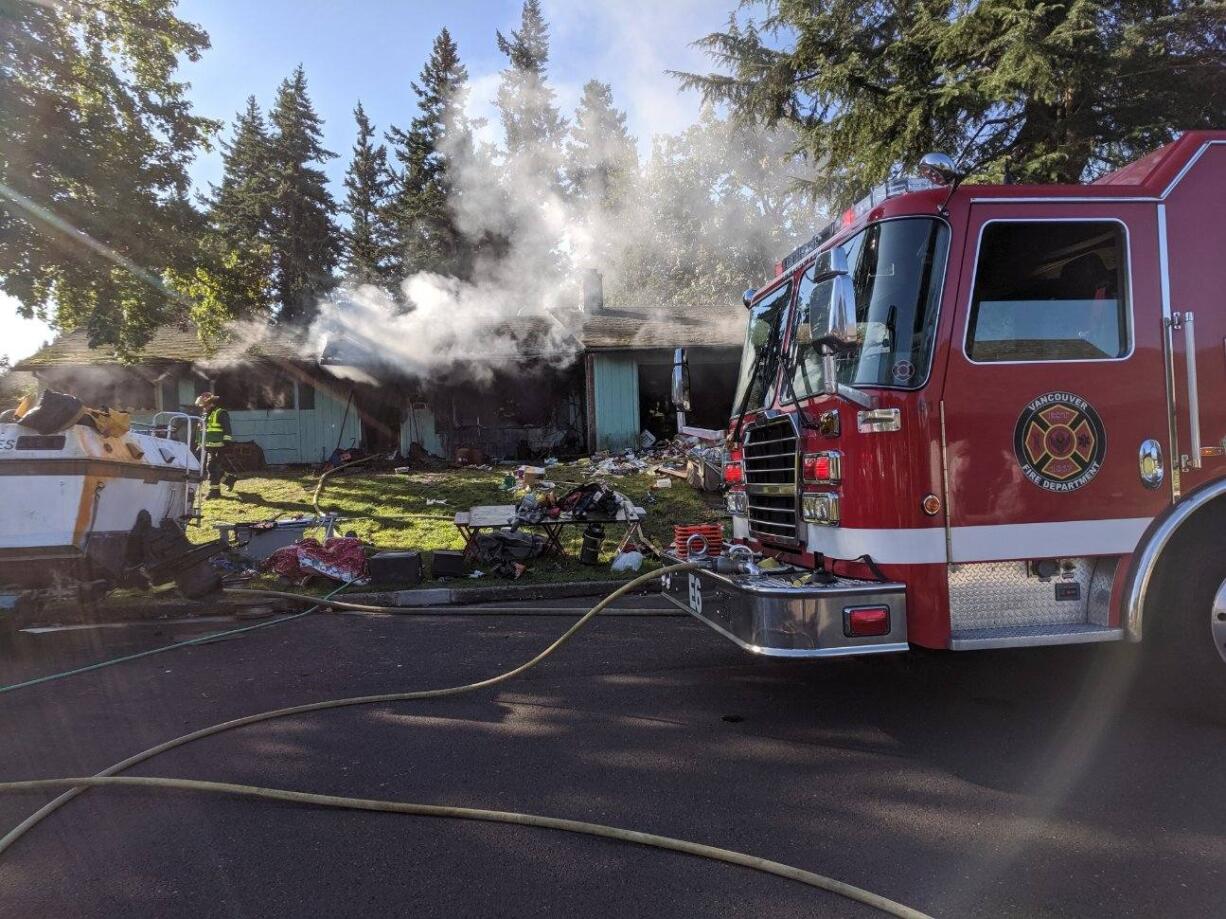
[770, 480]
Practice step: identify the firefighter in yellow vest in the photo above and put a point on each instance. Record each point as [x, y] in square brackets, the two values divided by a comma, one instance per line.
[215, 438]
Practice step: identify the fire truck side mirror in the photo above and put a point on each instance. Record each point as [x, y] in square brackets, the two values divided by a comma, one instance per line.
[841, 321]
[681, 381]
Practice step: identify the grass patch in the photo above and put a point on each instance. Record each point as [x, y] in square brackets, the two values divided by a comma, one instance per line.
[390, 511]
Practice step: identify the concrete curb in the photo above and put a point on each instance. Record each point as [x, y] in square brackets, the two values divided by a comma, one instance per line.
[455, 596]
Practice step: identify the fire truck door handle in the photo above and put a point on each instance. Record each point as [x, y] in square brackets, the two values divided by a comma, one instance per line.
[1189, 347]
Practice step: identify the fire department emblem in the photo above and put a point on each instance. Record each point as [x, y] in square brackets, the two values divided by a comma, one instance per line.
[1059, 441]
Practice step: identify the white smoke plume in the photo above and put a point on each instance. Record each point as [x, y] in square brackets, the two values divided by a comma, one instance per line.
[703, 219]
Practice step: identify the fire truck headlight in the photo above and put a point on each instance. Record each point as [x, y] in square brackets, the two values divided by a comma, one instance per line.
[738, 503]
[821, 508]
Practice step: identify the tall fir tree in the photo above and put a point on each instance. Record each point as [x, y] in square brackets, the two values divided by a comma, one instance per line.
[533, 127]
[303, 234]
[232, 275]
[98, 135]
[601, 159]
[435, 148]
[240, 208]
[367, 242]
[1046, 92]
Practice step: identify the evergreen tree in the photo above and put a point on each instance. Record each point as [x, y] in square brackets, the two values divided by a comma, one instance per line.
[533, 127]
[1049, 92]
[303, 235]
[232, 276]
[436, 147]
[240, 209]
[601, 159]
[367, 182]
[98, 133]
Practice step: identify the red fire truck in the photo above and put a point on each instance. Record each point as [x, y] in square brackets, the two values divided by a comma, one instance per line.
[985, 416]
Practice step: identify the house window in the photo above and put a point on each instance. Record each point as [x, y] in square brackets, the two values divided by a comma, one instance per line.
[1050, 291]
[253, 389]
[306, 396]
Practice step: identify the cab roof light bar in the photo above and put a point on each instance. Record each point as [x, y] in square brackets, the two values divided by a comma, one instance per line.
[880, 194]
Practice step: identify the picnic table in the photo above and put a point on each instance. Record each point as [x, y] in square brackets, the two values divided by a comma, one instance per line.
[473, 521]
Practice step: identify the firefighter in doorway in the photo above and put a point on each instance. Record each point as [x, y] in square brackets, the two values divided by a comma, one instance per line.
[216, 439]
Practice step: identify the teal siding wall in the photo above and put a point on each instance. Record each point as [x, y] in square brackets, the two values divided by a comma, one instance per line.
[320, 429]
[615, 397]
[418, 425]
[291, 435]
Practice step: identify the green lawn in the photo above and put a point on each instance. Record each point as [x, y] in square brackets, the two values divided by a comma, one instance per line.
[390, 511]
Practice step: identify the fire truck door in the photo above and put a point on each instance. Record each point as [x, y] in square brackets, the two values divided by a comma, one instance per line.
[1194, 226]
[1054, 398]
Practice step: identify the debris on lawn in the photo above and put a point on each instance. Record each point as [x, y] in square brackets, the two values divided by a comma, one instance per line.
[448, 565]
[627, 561]
[341, 558]
[398, 567]
[261, 539]
[507, 550]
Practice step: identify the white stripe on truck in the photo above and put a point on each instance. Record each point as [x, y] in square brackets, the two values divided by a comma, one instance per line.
[1065, 538]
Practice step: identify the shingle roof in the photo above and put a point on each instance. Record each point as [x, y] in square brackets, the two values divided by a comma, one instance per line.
[170, 344]
[679, 327]
[609, 329]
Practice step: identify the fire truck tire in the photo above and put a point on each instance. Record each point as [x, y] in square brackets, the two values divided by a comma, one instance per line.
[1187, 629]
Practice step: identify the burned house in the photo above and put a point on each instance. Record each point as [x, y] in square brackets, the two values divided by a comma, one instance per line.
[295, 413]
[628, 362]
[531, 398]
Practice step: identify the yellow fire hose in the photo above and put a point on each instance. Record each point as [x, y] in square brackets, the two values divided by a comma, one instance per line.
[110, 776]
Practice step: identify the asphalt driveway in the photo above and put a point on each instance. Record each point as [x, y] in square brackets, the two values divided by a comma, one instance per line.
[998, 783]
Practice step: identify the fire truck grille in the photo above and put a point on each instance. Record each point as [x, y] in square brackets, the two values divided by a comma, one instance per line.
[770, 479]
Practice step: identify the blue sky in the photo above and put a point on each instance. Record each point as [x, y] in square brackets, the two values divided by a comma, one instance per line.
[371, 49]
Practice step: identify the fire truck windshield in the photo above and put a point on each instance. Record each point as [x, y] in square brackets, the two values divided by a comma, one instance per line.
[760, 359]
[896, 268]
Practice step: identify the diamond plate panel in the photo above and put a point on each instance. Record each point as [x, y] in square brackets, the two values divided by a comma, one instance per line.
[1005, 595]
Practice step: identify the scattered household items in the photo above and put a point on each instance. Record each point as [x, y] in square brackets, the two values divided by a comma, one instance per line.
[432, 502]
[88, 497]
[244, 457]
[665, 482]
[234, 564]
[51, 413]
[341, 457]
[341, 558]
[395, 567]
[476, 520]
[449, 564]
[469, 456]
[530, 475]
[593, 537]
[506, 551]
[627, 561]
[260, 540]
[593, 498]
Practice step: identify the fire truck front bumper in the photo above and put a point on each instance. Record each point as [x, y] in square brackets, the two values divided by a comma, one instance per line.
[767, 615]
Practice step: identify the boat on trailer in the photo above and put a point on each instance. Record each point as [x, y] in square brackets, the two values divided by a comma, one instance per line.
[90, 507]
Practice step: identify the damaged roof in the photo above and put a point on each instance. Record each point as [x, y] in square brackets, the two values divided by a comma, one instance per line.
[532, 337]
[664, 327]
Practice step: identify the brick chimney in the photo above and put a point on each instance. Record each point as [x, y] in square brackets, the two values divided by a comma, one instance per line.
[593, 291]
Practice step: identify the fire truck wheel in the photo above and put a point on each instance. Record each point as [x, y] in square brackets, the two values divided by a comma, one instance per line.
[1189, 631]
